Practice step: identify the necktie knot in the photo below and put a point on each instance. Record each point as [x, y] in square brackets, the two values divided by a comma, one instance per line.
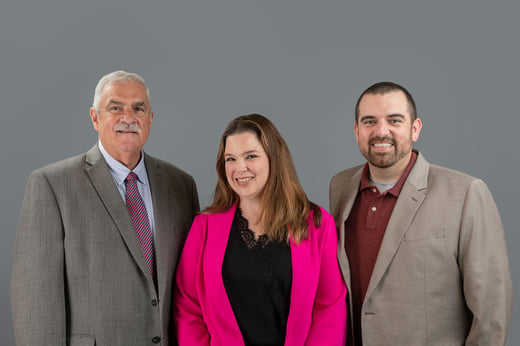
[131, 177]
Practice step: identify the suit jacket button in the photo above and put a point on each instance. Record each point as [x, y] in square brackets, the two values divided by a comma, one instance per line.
[154, 302]
[156, 340]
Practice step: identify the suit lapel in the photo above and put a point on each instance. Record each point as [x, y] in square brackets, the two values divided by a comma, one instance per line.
[164, 216]
[218, 230]
[103, 182]
[410, 199]
[346, 201]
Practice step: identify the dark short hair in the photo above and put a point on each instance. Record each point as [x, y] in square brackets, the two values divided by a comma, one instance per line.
[385, 88]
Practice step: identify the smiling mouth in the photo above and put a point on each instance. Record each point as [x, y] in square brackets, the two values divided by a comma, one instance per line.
[382, 145]
[244, 180]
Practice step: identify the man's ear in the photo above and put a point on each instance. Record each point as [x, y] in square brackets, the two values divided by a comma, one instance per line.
[94, 117]
[416, 129]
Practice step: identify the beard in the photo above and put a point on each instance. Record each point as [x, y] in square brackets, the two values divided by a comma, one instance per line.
[387, 159]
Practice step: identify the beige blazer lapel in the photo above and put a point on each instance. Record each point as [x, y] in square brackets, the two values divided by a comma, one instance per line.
[410, 199]
[344, 197]
[103, 182]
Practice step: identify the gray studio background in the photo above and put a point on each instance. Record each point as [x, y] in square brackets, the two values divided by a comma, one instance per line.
[302, 63]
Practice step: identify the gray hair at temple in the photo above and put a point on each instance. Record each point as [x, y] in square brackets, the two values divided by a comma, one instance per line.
[116, 76]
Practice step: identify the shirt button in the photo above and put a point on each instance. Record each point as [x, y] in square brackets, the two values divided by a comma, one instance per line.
[156, 340]
[374, 208]
[154, 302]
[374, 190]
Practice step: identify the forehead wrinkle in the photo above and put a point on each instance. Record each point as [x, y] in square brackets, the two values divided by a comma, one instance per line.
[116, 102]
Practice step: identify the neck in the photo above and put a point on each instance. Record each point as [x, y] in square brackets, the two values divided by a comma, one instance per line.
[130, 161]
[251, 211]
[130, 164]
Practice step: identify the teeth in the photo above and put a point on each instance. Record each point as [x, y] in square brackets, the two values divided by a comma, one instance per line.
[382, 145]
[243, 180]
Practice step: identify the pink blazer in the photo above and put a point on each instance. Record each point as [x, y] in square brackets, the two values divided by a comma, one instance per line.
[203, 313]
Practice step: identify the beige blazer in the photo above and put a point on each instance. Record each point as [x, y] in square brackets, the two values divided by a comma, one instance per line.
[79, 276]
[442, 273]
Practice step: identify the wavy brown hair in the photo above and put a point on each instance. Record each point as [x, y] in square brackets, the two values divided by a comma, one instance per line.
[284, 205]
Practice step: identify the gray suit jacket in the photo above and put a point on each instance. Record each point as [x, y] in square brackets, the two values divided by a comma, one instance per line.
[79, 276]
[442, 273]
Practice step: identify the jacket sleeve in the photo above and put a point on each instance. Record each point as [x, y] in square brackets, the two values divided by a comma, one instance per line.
[329, 313]
[38, 279]
[195, 198]
[485, 268]
[190, 327]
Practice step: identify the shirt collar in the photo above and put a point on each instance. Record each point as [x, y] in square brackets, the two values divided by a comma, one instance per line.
[365, 183]
[120, 171]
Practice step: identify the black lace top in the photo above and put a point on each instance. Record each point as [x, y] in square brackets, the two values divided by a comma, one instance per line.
[257, 275]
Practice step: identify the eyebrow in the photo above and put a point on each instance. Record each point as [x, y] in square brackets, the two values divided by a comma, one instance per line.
[369, 117]
[244, 153]
[366, 117]
[135, 104]
[114, 102]
[141, 103]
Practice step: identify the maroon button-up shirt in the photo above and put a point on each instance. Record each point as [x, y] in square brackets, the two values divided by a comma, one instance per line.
[365, 229]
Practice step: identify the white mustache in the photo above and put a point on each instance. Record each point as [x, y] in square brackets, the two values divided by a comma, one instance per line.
[127, 127]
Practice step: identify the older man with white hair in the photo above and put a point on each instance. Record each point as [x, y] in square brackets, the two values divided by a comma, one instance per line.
[100, 234]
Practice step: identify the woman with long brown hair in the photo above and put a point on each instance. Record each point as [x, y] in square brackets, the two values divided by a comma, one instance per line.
[259, 266]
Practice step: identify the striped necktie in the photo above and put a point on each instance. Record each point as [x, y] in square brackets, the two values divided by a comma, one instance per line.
[139, 217]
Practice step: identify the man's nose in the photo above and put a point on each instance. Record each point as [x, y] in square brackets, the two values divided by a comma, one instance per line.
[128, 114]
[382, 129]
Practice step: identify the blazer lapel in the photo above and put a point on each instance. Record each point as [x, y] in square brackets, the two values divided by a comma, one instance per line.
[218, 230]
[410, 199]
[346, 202]
[103, 182]
[164, 216]
[350, 192]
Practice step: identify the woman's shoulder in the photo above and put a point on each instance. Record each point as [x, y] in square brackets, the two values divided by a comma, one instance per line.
[324, 213]
[326, 221]
[206, 216]
[214, 213]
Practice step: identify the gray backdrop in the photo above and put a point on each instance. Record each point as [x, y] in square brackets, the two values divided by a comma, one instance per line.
[302, 63]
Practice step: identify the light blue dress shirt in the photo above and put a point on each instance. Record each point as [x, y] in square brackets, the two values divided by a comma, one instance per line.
[120, 172]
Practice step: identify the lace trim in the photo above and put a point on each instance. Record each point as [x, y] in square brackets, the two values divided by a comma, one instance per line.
[248, 236]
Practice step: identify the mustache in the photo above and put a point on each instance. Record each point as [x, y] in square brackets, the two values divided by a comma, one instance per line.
[381, 139]
[127, 127]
